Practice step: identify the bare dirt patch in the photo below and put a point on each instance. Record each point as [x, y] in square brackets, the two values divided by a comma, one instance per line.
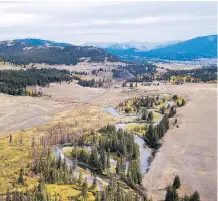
[190, 150]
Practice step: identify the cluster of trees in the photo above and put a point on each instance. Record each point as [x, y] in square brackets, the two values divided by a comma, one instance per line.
[140, 69]
[131, 175]
[155, 133]
[122, 143]
[111, 141]
[141, 78]
[87, 83]
[145, 102]
[147, 116]
[116, 192]
[134, 175]
[172, 194]
[91, 83]
[98, 160]
[95, 71]
[53, 171]
[119, 141]
[14, 82]
[195, 75]
[79, 72]
[133, 69]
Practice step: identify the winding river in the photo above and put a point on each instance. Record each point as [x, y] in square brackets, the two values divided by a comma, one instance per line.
[88, 174]
[145, 153]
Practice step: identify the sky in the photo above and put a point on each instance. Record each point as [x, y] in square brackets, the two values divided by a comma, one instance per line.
[80, 22]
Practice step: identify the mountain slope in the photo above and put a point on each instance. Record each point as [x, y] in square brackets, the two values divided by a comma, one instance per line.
[200, 47]
[27, 51]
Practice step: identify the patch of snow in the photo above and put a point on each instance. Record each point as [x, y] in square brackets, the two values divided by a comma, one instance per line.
[10, 43]
[28, 48]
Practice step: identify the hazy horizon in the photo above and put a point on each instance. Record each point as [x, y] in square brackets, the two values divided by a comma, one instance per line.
[106, 22]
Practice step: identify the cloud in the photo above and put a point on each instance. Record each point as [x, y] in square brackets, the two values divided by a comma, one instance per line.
[79, 22]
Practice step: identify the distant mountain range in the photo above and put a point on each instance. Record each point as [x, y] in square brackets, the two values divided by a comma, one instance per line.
[196, 48]
[144, 46]
[31, 50]
[25, 51]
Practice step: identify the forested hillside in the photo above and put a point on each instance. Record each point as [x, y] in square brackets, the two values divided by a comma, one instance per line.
[26, 51]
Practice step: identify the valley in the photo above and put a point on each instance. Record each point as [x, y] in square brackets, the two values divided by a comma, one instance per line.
[125, 121]
[71, 106]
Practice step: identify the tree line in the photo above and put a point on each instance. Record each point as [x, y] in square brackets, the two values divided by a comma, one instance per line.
[91, 83]
[155, 133]
[14, 82]
[195, 75]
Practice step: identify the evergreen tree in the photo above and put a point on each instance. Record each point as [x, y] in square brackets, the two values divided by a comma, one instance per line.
[21, 177]
[93, 160]
[10, 140]
[80, 179]
[186, 198]
[131, 85]
[163, 109]
[183, 102]
[150, 116]
[171, 195]
[176, 182]
[108, 159]
[85, 189]
[144, 114]
[195, 196]
[118, 167]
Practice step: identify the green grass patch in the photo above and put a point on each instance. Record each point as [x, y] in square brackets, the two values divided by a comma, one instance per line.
[157, 116]
[138, 128]
[67, 191]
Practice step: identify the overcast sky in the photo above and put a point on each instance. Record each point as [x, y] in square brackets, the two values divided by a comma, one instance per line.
[82, 22]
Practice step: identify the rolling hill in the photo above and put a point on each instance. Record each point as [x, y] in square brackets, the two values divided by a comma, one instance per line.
[25, 51]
